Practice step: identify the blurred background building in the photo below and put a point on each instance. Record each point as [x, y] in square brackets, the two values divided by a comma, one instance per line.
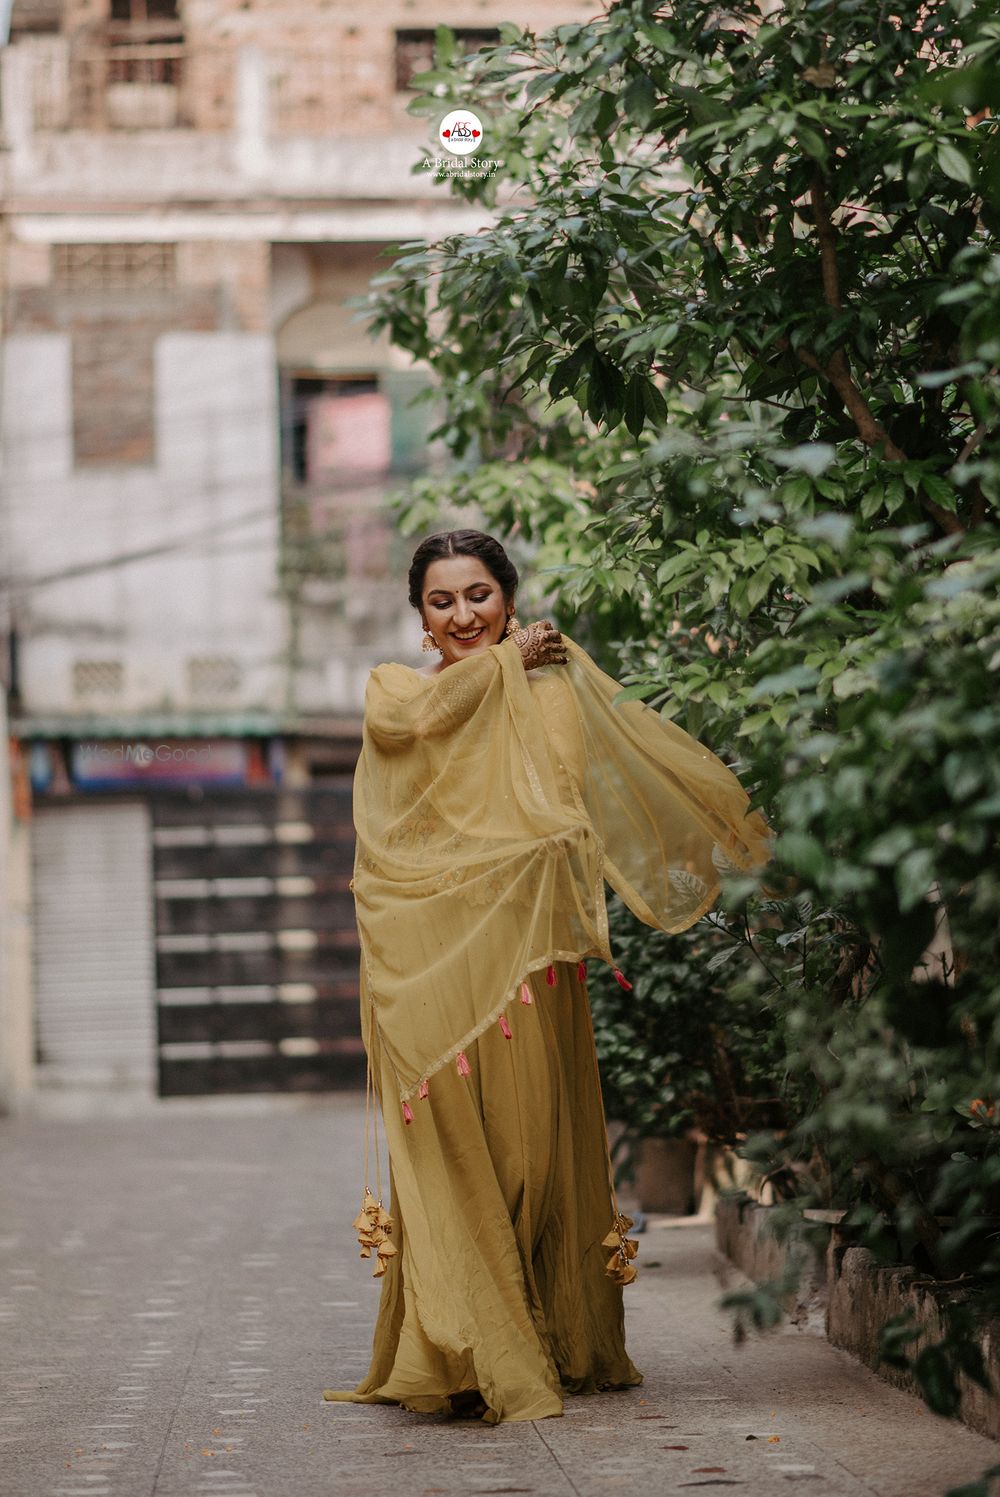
[196, 439]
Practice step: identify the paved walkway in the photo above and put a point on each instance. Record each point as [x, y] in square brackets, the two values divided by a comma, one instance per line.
[177, 1287]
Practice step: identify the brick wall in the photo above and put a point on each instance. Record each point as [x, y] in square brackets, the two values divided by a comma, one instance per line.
[332, 67]
[116, 307]
[113, 336]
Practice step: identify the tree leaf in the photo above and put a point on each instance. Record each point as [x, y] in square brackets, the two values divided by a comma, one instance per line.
[954, 163]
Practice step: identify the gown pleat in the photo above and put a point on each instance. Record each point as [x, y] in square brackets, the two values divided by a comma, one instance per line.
[500, 1199]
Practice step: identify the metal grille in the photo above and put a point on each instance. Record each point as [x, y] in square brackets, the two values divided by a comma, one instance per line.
[211, 677]
[145, 64]
[114, 267]
[98, 679]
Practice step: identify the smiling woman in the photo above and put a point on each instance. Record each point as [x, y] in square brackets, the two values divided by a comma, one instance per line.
[463, 607]
[463, 584]
[496, 791]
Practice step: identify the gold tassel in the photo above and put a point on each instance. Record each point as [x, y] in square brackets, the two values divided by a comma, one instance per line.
[620, 1267]
[373, 1223]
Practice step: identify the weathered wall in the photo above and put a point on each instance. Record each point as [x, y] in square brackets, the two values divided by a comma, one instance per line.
[152, 565]
[857, 1296]
[862, 1297]
[268, 159]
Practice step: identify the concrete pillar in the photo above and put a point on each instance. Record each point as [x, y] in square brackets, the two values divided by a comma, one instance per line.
[17, 92]
[252, 115]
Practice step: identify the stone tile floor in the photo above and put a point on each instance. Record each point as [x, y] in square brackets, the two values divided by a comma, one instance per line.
[177, 1286]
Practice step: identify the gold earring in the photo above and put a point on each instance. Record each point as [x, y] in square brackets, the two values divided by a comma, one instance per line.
[429, 643]
[512, 624]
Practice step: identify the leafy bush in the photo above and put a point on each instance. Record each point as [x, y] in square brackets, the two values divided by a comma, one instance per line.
[679, 1051]
[730, 363]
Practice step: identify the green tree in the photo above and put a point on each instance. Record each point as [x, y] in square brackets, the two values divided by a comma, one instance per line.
[729, 357]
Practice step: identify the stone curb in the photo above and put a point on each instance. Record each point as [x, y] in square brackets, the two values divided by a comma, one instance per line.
[855, 1296]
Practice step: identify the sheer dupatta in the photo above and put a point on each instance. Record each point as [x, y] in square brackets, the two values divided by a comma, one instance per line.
[481, 859]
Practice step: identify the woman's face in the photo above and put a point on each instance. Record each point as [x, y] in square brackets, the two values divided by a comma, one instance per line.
[463, 606]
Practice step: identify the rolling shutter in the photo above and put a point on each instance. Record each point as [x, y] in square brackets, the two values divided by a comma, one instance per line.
[94, 945]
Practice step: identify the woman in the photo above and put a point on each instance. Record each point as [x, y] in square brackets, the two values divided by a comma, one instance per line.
[497, 789]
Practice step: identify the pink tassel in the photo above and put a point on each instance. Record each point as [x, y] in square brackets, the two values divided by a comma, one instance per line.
[505, 1028]
[550, 976]
[424, 1090]
[622, 981]
[581, 971]
[463, 1064]
[407, 1113]
[526, 994]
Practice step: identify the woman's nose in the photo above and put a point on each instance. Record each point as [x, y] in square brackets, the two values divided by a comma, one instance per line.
[463, 612]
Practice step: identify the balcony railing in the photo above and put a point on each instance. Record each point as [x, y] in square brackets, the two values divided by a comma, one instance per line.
[129, 87]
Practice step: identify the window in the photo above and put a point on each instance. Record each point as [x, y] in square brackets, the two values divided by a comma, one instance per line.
[337, 457]
[415, 49]
[140, 12]
[336, 429]
[145, 40]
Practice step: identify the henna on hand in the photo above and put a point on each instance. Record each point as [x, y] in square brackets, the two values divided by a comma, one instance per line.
[540, 644]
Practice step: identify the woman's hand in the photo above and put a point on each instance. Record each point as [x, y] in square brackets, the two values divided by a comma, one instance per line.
[540, 644]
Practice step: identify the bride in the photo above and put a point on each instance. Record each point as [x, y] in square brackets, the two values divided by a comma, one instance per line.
[498, 789]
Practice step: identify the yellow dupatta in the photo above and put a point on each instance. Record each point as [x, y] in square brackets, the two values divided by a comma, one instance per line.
[484, 839]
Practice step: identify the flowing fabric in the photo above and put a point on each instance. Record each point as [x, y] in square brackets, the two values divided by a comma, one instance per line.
[500, 1201]
[490, 808]
[491, 805]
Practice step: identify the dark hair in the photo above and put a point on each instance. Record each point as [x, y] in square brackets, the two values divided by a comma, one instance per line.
[461, 543]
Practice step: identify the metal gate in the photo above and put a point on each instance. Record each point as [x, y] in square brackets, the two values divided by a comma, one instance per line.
[256, 945]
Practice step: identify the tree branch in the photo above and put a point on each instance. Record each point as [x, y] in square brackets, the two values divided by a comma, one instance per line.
[973, 442]
[826, 235]
[837, 369]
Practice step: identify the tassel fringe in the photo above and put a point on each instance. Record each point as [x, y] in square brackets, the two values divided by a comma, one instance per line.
[374, 1228]
[622, 980]
[527, 998]
[620, 1267]
[407, 1113]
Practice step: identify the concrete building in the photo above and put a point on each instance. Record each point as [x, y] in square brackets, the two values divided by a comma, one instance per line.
[197, 438]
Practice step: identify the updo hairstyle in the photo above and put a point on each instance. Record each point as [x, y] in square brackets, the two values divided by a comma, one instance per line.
[461, 543]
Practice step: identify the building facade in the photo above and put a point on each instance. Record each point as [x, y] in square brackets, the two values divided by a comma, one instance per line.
[196, 438]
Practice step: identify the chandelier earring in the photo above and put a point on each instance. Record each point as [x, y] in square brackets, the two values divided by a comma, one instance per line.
[512, 624]
[429, 644]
